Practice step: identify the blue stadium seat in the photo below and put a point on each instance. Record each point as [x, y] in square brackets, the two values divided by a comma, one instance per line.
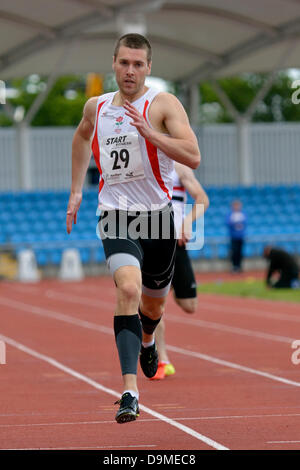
[40, 216]
[223, 250]
[195, 254]
[55, 256]
[41, 257]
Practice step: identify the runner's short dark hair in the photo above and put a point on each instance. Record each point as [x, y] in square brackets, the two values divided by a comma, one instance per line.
[134, 41]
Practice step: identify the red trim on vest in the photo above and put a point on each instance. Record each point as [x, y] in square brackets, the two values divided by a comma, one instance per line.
[153, 158]
[178, 188]
[96, 148]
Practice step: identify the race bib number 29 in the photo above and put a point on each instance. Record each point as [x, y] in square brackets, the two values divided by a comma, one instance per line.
[121, 158]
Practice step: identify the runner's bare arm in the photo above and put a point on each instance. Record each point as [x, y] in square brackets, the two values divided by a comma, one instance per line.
[81, 155]
[201, 200]
[181, 144]
[192, 185]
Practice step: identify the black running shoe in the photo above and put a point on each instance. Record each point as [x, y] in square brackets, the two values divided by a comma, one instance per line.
[129, 408]
[149, 360]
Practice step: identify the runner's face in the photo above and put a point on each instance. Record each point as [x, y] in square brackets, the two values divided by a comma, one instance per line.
[131, 68]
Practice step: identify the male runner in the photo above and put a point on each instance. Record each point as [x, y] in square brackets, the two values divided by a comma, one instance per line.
[135, 133]
[183, 283]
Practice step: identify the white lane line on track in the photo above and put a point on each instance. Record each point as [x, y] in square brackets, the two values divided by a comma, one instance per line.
[94, 326]
[282, 442]
[249, 370]
[98, 386]
[192, 418]
[54, 315]
[208, 305]
[50, 293]
[202, 323]
[246, 311]
[214, 305]
[218, 326]
[104, 329]
[211, 305]
[230, 329]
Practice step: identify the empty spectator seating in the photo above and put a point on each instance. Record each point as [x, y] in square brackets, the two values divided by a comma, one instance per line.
[38, 220]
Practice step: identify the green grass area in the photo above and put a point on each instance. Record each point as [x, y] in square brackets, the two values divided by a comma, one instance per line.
[249, 287]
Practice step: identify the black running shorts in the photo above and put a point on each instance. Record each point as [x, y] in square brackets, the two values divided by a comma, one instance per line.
[154, 249]
[184, 283]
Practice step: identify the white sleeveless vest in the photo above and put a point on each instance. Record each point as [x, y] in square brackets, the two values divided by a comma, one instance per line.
[178, 205]
[133, 172]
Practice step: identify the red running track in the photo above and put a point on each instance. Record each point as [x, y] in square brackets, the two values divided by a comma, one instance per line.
[235, 385]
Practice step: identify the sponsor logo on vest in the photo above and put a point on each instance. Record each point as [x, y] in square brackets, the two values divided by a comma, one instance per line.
[118, 123]
[116, 140]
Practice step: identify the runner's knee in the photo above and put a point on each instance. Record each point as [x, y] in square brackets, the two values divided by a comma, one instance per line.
[152, 307]
[128, 283]
[188, 305]
[129, 291]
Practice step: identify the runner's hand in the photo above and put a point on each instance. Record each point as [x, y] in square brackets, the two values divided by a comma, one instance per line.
[185, 234]
[73, 207]
[137, 120]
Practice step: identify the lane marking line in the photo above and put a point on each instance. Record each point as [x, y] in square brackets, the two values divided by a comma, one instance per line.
[247, 311]
[54, 315]
[230, 329]
[211, 305]
[200, 323]
[94, 326]
[249, 370]
[282, 442]
[98, 386]
[179, 418]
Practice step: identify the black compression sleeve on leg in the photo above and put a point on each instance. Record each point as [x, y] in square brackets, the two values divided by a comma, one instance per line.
[148, 324]
[128, 335]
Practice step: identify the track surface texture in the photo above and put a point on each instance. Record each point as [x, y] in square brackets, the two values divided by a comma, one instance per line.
[235, 386]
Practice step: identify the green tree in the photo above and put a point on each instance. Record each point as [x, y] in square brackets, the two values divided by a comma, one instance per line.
[64, 104]
[276, 106]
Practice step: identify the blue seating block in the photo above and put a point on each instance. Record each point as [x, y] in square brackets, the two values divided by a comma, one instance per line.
[40, 216]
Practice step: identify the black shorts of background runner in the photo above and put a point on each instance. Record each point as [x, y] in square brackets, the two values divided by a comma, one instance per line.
[156, 257]
[184, 282]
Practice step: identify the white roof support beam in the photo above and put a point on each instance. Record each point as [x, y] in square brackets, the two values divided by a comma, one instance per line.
[28, 23]
[222, 14]
[178, 46]
[96, 6]
[226, 100]
[291, 31]
[268, 83]
[243, 120]
[40, 42]
[66, 31]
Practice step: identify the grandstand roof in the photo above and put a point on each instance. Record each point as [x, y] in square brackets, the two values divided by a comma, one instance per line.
[192, 39]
